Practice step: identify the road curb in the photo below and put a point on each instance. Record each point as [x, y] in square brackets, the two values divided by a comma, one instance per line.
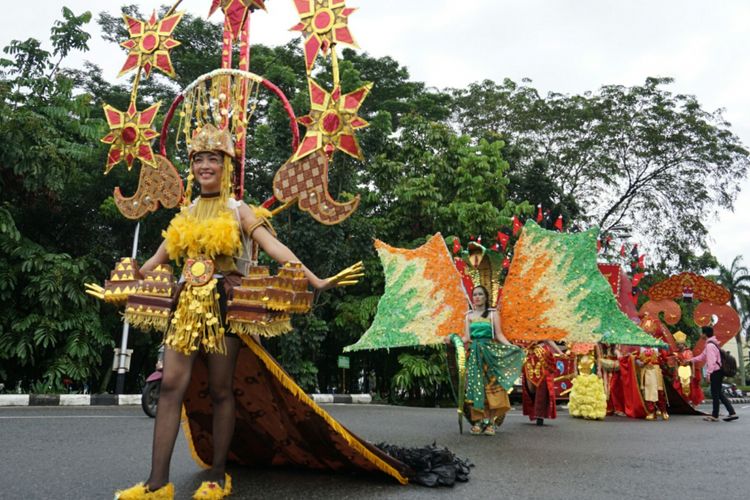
[135, 399]
[734, 401]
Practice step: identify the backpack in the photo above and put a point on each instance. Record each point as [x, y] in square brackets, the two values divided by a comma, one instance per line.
[728, 364]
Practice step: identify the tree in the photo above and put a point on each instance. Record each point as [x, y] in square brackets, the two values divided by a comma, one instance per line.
[635, 159]
[49, 330]
[736, 279]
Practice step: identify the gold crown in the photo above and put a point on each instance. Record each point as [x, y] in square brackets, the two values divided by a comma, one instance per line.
[680, 337]
[210, 138]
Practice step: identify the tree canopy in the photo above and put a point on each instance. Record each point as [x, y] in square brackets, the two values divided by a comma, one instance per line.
[633, 160]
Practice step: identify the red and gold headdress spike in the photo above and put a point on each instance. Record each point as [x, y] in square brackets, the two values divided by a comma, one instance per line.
[324, 23]
[235, 12]
[130, 135]
[150, 44]
[332, 121]
[130, 132]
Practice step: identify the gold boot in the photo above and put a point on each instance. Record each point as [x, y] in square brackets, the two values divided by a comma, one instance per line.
[650, 416]
[664, 416]
[211, 490]
[141, 492]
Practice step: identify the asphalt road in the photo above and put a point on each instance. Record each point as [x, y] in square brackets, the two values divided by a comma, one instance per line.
[89, 452]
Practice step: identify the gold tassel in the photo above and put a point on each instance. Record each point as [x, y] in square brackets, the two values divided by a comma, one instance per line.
[197, 321]
[147, 322]
[226, 179]
[262, 328]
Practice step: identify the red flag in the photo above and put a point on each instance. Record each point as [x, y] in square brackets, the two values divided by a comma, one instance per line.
[456, 246]
[634, 251]
[635, 298]
[598, 246]
[479, 239]
[503, 239]
[516, 225]
[506, 263]
[559, 223]
[622, 250]
[539, 216]
[642, 261]
[496, 247]
[637, 277]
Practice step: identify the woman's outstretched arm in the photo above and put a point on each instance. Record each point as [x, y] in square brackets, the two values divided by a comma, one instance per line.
[159, 257]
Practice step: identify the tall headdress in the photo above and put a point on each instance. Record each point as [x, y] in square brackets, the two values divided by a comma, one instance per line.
[478, 265]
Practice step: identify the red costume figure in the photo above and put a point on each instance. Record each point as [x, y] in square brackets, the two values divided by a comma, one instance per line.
[652, 384]
[538, 383]
[686, 379]
[613, 382]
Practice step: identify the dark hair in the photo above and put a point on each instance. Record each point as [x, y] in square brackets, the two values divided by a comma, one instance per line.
[708, 331]
[486, 300]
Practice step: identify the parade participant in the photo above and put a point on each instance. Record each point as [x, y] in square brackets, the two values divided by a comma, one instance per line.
[686, 380]
[206, 234]
[652, 384]
[609, 361]
[493, 364]
[587, 399]
[711, 355]
[538, 381]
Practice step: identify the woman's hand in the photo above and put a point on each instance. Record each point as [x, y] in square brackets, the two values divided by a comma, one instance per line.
[349, 276]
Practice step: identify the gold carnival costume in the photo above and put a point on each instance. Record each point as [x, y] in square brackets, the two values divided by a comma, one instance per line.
[276, 422]
[222, 290]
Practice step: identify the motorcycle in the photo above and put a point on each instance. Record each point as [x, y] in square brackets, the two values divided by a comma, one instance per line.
[732, 391]
[152, 387]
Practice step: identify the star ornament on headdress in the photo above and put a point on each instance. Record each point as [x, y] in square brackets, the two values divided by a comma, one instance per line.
[130, 135]
[235, 12]
[332, 121]
[324, 23]
[149, 44]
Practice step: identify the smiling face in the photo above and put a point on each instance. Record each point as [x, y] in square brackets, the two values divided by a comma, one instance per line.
[207, 169]
[479, 298]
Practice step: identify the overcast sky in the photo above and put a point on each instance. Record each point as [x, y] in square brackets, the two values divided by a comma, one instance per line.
[568, 46]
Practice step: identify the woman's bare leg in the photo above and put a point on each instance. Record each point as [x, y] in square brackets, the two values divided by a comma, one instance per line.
[220, 385]
[174, 383]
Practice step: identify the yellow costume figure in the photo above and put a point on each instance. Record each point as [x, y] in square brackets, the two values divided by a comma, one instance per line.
[587, 398]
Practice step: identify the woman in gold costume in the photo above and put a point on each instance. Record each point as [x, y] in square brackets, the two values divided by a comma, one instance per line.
[206, 236]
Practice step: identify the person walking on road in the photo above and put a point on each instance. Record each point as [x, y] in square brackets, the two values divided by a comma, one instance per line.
[711, 355]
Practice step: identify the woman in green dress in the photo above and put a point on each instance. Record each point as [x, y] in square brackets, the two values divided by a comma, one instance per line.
[493, 365]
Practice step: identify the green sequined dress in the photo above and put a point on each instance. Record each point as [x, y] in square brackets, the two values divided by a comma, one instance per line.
[491, 370]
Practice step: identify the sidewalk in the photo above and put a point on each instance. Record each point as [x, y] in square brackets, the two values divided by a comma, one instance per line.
[135, 399]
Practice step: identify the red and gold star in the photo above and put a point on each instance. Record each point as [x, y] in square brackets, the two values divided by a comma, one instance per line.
[332, 121]
[130, 135]
[235, 12]
[324, 23]
[149, 44]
